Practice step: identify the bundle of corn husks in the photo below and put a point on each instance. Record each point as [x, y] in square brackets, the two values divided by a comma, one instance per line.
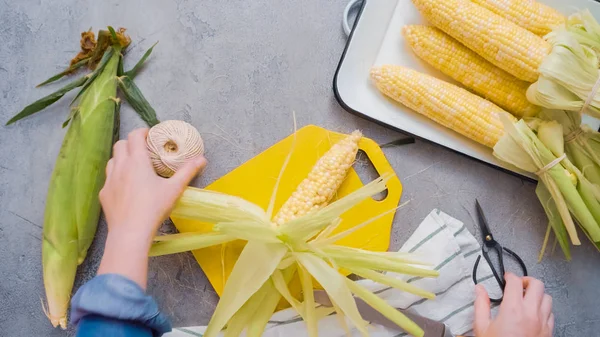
[297, 242]
[562, 133]
[582, 143]
[564, 191]
[72, 205]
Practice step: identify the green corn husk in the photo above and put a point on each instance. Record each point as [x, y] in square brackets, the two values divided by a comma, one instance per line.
[569, 73]
[555, 222]
[550, 133]
[582, 144]
[47, 100]
[72, 204]
[551, 126]
[521, 148]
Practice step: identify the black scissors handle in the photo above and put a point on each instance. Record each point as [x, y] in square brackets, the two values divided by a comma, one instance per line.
[499, 276]
[489, 243]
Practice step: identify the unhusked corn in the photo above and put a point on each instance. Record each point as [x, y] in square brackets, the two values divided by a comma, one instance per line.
[323, 181]
[465, 66]
[506, 45]
[444, 103]
[534, 16]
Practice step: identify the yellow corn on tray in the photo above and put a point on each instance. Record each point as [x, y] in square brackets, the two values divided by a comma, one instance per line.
[255, 181]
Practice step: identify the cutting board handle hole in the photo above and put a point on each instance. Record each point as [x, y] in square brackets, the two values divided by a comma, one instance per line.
[366, 172]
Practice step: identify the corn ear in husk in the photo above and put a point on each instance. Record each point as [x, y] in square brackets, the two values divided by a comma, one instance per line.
[72, 205]
[569, 190]
[582, 144]
[550, 134]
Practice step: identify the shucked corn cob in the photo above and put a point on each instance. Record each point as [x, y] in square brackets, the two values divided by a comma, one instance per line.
[465, 66]
[510, 47]
[269, 260]
[531, 15]
[315, 192]
[324, 179]
[445, 103]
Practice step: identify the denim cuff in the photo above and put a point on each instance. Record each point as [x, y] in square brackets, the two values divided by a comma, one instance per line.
[115, 296]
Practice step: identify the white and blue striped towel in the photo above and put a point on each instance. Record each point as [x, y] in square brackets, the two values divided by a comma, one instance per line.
[440, 240]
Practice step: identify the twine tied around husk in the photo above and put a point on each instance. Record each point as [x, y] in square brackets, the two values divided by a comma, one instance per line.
[550, 165]
[588, 101]
[574, 135]
[171, 144]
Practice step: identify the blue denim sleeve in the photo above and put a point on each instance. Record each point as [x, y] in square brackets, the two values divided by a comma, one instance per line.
[115, 297]
[99, 326]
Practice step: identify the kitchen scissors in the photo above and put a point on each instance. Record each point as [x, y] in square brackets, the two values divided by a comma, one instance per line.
[489, 244]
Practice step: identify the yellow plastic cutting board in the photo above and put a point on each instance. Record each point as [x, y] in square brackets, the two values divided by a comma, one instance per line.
[255, 180]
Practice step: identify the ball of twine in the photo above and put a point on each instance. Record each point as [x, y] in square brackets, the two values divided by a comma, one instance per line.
[171, 144]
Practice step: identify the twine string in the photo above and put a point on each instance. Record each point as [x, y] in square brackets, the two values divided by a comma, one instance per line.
[550, 165]
[171, 144]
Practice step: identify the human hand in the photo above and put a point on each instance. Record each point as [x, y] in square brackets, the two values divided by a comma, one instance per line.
[526, 311]
[135, 201]
[134, 198]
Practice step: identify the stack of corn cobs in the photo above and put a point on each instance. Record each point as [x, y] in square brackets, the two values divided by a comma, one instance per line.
[529, 72]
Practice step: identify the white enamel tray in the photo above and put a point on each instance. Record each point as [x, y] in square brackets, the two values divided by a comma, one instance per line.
[375, 39]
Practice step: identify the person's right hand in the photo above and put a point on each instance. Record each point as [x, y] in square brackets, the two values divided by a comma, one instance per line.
[526, 311]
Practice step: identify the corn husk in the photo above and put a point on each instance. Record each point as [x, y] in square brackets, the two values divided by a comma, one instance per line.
[584, 28]
[555, 222]
[520, 147]
[568, 75]
[302, 247]
[582, 144]
[550, 132]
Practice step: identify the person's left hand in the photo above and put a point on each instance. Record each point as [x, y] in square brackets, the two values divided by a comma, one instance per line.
[134, 198]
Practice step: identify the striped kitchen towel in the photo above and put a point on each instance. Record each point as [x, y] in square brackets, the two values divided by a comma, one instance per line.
[440, 240]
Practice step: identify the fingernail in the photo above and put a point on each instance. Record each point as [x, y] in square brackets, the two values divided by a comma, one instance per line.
[479, 290]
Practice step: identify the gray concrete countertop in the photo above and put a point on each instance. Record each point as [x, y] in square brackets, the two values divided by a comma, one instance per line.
[236, 70]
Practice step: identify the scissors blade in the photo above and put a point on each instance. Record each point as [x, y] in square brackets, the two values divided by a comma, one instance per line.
[483, 224]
